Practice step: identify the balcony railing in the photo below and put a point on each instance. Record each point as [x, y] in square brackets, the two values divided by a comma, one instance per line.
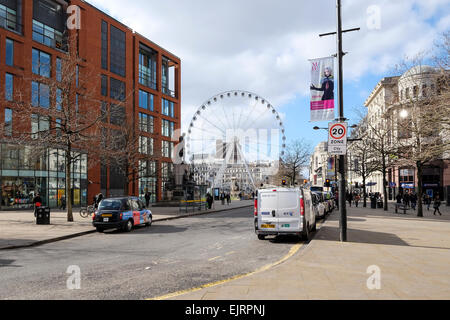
[146, 80]
[168, 92]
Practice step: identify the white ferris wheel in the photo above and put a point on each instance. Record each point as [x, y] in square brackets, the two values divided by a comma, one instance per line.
[236, 138]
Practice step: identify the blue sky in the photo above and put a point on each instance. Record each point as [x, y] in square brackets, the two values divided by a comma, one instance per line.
[263, 46]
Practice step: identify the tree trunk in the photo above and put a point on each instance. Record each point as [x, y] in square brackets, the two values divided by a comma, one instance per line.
[69, 182]
[364, 191]
[420, 190]
[385, 193]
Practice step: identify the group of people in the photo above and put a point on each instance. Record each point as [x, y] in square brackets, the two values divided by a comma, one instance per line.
[352, 197]
[225, 197]
[409, 199]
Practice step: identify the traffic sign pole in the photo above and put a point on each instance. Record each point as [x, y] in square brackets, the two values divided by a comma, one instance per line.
[342, 173]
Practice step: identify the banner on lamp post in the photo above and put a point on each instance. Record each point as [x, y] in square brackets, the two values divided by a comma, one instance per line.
[322, 89]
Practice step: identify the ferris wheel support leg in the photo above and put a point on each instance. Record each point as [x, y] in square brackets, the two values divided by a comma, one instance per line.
[246, 168]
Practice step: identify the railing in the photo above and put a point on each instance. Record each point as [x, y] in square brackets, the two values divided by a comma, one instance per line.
[146, 80]
[50, 38]
[193, 205]
[168, 92]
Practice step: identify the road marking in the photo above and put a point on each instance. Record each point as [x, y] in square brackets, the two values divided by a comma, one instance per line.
[215, 258]
[292, 252]
[230, 253]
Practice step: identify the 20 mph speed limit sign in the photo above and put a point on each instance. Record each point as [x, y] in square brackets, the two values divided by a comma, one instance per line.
[337, 138]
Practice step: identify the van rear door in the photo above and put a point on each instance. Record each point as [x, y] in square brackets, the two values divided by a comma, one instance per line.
[268, 220]
[289, 211]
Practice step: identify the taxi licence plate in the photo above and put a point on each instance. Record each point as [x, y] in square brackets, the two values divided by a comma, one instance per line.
[268, 226]
[105, 219]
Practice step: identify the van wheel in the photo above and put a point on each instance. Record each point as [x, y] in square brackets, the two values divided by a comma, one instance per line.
[149, 223]
[307, 234]
[314, 229]
[261, 237]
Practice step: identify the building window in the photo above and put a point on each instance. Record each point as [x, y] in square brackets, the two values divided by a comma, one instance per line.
[47, 35]
[58, 99]
[167, 108]
[146, 100]
[8, 17]
[9, 56]
[104, 45]
[104, 85]
[9, 87]
[117, 52]
[58, 127]
[167, 148]
[145, 145]
[147, 67]
[117, 115]
[8, 122]
[41, 63]
[40, 125]
[58, 69]
[40, 95]
[167, 128]
[146, 123]
[117, 89]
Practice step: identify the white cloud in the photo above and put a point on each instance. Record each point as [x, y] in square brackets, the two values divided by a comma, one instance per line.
[263, 45]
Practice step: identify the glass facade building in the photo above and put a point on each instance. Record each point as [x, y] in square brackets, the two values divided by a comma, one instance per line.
[24, 174]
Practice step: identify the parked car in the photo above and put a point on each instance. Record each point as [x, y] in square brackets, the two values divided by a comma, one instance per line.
[284, 211]
[319, 205]
[121, 213]
[329, 198]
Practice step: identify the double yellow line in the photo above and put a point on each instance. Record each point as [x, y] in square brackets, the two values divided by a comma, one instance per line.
[291, 253]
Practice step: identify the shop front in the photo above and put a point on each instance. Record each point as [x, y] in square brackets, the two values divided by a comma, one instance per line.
[24, 175]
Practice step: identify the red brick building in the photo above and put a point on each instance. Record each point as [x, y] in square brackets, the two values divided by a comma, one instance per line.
[123, 61]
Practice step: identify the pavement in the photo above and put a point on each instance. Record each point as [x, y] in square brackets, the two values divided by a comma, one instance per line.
[388, 256]
[18, 229]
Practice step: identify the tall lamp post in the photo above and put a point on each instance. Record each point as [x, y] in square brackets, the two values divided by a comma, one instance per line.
[342, 174]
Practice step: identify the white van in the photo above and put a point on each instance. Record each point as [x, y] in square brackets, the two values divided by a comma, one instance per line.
[284, 211]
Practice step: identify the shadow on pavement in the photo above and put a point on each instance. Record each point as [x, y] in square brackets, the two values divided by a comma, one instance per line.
[8, 264]
[154, 229]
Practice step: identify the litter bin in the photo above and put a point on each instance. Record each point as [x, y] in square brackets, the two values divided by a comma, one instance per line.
[43, 216]
[373, 203]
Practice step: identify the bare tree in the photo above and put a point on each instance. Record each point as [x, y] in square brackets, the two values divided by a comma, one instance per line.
[363, 160]
[421, 116]
[296, 158]
[64, 111]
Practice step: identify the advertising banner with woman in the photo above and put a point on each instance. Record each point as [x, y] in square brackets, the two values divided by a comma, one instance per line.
[322, 89]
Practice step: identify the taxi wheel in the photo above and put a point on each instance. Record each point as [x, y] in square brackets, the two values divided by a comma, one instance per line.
[100, 230]
[261, 237]
[129, 226]
[149, 223]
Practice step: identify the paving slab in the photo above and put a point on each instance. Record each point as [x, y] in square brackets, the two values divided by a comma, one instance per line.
[411, 253]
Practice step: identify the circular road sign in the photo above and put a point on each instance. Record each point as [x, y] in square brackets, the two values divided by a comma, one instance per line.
[338, 131]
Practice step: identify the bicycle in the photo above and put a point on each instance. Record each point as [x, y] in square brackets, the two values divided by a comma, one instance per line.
[87, 212]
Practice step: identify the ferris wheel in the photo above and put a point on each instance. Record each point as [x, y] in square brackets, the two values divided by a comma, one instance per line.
[238, 138]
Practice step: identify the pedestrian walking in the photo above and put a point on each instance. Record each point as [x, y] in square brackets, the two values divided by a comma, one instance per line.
[414, 199]
[228, 199]
[222, 198]
[437, 205]
[99, 199]
[63, 203]
[406, 199]
[357, 199]
[37, 202]
[349, 199]
[147, 197]
[209, 200]
[399, 198]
